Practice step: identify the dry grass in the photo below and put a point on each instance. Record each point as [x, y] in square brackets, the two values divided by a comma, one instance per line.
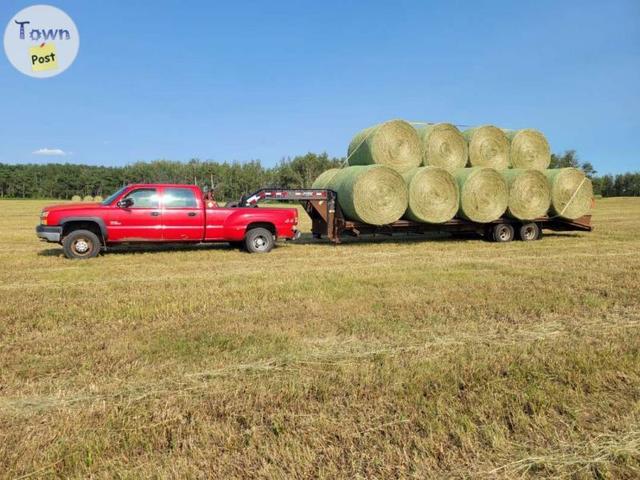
[443, 358]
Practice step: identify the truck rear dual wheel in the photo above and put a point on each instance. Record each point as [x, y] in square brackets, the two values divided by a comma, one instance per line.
[81, 244]
[259, 240]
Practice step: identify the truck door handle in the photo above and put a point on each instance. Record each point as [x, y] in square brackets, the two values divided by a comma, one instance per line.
[192, 214]
[154, 214]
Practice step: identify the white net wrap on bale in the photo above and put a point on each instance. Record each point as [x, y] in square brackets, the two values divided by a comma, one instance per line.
[443, 146]
[529, 149]
[433, 195]
[484, 194]
[394, 144]
[529, 193]
[372, 194]
[488, 147]
[571, 192]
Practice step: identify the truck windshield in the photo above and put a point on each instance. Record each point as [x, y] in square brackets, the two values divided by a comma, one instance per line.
[112, 197]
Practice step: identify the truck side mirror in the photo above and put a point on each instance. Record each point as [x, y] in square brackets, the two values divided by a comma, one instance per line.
[126, 203]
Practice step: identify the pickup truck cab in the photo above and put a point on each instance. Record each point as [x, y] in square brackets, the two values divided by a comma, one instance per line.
[162, 213]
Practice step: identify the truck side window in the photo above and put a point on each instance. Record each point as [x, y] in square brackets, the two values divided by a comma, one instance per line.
[179, 198]
[144, 198]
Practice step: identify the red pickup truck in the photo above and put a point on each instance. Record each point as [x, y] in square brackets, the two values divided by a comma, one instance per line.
[166, 213]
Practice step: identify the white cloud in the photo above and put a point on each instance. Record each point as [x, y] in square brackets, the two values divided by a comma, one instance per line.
[52, 152]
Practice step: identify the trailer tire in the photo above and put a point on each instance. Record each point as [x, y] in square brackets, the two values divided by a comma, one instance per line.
[81, 244]
[502, 232]
[259, 240]
[528, 232]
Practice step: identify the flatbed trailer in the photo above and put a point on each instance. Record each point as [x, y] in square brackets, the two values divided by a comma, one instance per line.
[328, 220]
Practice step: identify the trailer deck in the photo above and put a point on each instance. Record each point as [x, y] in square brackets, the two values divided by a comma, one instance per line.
[328, 220]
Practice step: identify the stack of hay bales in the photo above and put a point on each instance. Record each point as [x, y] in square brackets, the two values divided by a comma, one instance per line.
[433, 172]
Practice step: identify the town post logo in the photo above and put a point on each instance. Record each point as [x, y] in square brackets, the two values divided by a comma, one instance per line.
[41, 41]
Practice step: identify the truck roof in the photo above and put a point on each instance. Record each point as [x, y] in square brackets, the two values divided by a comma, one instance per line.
[183, 185]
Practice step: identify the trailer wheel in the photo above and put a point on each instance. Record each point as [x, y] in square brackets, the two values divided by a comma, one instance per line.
[529, 232]
[503, 232]
[259, 240]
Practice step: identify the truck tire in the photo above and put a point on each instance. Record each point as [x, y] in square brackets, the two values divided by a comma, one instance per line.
[502, 232]
[529, 232]
[81, 244]
[259, 240]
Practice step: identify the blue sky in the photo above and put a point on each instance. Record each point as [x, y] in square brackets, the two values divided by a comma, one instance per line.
[269, 79]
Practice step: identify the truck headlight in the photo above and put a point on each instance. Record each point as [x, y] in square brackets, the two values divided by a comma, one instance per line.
[43, 217]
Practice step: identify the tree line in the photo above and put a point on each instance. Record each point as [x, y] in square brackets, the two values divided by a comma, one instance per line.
[229, 179]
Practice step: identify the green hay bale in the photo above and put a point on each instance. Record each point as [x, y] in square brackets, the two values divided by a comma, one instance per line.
[484, 194]
[433, 195]
[394, 144]
[98, 198]
[87, 198]
[372, 194]
[324, 179]
[443, 146]
[529, 193]
[529, 149]
[76, 198]
[488, 147]
[571, 192]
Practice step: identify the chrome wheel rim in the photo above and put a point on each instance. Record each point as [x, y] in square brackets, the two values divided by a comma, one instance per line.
[529, 233]
[503, 234]
[260, 243]
[82, 246]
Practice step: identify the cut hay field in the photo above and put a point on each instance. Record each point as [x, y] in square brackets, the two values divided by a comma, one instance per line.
[388, 359]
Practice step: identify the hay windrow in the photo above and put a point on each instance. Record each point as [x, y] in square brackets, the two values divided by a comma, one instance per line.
[433, 195]
[372, 194]
[443, 146]
[571, 192]
[484, 194]
[394, 144]
[488, 147]
[529, 193]
[529, 149]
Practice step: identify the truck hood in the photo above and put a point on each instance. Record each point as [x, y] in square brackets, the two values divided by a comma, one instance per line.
[71, 206]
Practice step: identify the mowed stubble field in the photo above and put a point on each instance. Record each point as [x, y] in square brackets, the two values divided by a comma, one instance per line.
[387, 359]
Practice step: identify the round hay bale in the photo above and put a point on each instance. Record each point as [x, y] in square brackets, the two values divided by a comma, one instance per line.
[76, 198]
[323, 180]
[529, 149]
[87, 198]
[394, 144]
[529, 193]
[433, 195]
[484, 194]
[488, 147]
[98, 198]
[372, 194]
[571, 192]
[443, 146]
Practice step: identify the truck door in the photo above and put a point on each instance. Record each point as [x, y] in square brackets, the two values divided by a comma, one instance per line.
[138, 222]
[182, 215]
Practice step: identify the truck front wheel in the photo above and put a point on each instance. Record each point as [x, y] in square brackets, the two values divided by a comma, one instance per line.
[259, 240]
[81, 244]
